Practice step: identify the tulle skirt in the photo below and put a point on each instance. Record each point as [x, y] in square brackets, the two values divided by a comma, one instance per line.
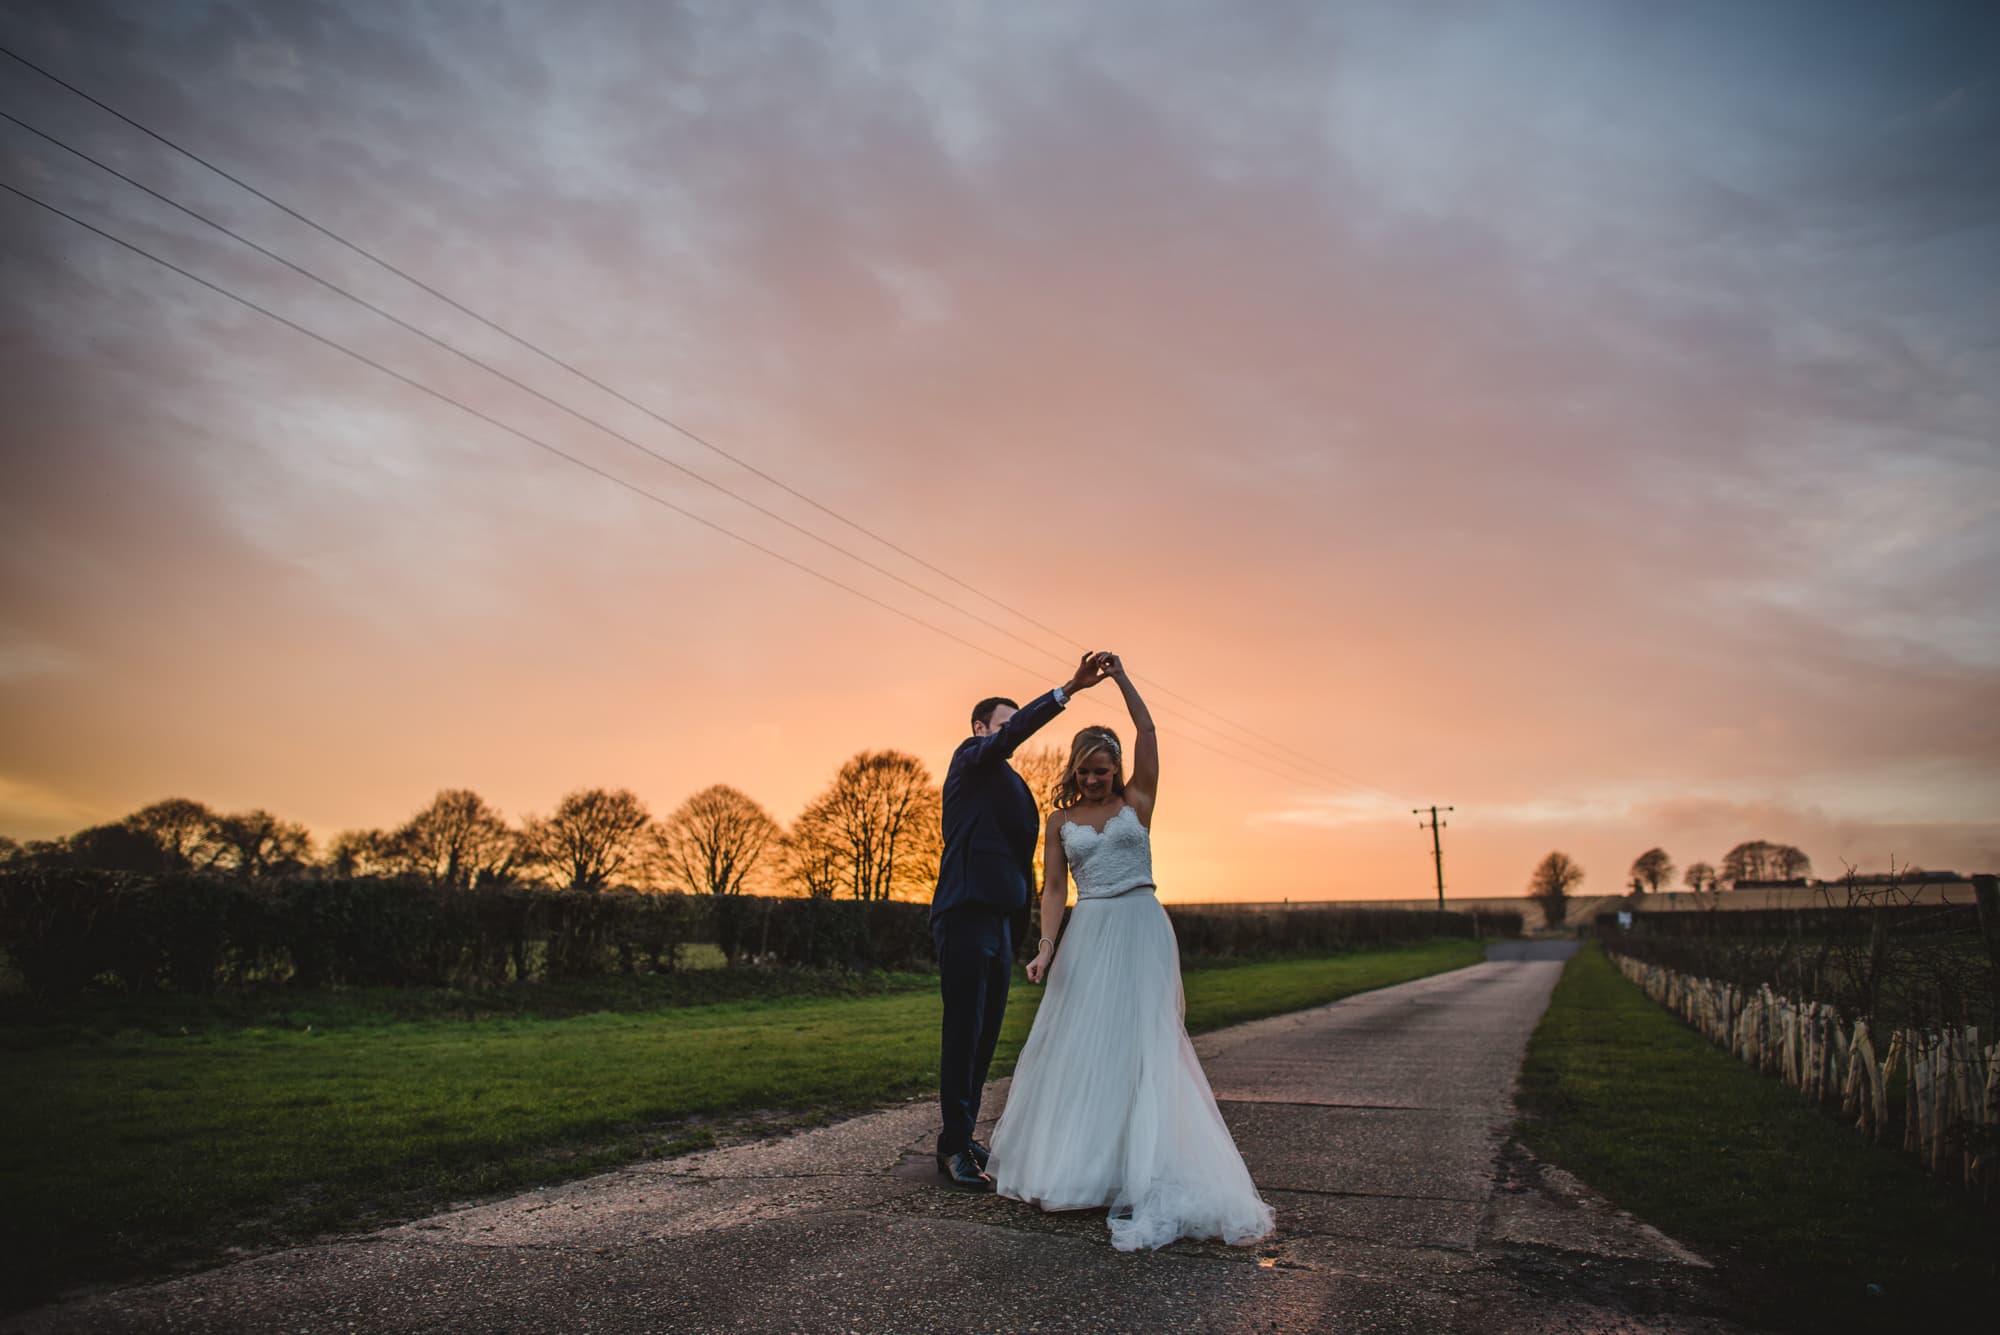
[1109, 1106]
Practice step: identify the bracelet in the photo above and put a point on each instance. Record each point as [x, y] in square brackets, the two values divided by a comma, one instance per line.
[1048, 939]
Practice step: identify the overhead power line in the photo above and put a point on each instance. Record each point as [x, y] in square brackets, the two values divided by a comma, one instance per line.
[443, 344]
[560, 453]
[511, 336]
[525, 388]
[510, 429]
[1297, 758]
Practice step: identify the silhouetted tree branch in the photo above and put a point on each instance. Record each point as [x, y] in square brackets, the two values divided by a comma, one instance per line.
[1555, 876]
[1759, 860]
[458, 840]
[879, 822]
[712, 842]
[256, 843]
[1651, 868]
[185, 829]
[593, 836]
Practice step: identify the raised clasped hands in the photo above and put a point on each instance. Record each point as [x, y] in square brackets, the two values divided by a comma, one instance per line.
[1090, 669]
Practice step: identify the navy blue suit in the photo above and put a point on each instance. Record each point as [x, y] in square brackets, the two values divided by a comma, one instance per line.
[991, 824]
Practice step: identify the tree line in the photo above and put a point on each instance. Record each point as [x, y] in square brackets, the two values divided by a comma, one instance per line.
[872, 834]
[1751, 860]
[1556, 875]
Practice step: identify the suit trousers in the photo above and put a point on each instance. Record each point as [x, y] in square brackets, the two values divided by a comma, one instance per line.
[975, 947]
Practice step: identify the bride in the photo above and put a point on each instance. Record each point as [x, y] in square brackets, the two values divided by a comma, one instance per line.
[1109, 1106]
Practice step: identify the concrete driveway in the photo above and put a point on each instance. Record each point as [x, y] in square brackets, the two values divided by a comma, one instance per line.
[1377, 1126]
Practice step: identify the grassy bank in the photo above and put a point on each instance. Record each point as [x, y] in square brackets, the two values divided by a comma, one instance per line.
[1801, 1213]
[137, 1138]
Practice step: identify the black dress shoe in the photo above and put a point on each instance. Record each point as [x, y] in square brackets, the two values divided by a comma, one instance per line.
[980, 1154]
[962, 1170]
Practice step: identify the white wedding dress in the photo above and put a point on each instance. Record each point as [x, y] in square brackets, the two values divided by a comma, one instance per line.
[1109, 1106]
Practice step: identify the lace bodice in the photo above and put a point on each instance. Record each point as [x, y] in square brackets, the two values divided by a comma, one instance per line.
[1111, 863]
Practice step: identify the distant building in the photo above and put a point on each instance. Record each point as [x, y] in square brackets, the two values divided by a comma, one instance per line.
[1911, 876]
[1863, 892]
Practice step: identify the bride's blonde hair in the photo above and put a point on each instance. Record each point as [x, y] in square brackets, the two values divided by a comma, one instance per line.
[1087, 744]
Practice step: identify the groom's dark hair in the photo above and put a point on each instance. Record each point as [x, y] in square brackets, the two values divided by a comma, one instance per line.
[983, 711]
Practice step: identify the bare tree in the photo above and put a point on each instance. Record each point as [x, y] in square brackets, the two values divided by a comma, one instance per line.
[713, 841]
[1555, 876]
[366, 853]
[1042, 767]
[1699, 877]
[118, 848]
[37, 853]
[1651, 868]
[593, 836]
[814, 860]
[256, 843]
[1748, 861]
[1760, 860]
[880, 820]
[458, 840]
[186, 830]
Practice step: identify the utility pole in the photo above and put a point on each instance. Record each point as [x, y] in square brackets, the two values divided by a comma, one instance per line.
[1437, 850]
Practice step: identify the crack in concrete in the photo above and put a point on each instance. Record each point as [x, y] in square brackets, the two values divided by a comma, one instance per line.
[859, 1175]
[1318, 1103]
[1373, 1195]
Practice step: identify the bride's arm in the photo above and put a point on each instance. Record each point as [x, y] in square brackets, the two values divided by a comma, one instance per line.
[1143, 784]
[1055, 893]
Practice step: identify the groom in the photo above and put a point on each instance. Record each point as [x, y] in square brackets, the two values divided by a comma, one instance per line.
[984, 877]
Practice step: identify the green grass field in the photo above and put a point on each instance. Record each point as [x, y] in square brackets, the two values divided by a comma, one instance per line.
[137, 1136]
[1802, 1213]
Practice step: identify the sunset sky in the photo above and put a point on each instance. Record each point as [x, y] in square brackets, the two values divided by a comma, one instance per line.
[1584, 414]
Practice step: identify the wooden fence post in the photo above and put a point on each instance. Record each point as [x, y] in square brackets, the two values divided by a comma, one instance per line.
[1986, 890]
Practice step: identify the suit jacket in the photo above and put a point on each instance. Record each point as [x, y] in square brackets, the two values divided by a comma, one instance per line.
[991, 822]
